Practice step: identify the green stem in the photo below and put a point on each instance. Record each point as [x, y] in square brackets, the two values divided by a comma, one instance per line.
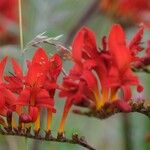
[21, 43]
[127, 132]
[26, 143]
[21, 33]
[20, 25]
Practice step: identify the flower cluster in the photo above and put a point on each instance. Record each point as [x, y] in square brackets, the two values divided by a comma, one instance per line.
[128, 12]
[33, 91]
[99, 77]
[99, 74]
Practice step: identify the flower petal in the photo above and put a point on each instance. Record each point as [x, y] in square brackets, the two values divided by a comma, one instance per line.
[10, 98]
[34, 113]
[90, 79]
[55, 66]
[77, 46]
[43, 99]
[90, 43]
[36, 75]
[23, 98]
[2, 67]
[117, 47]
[127, 92]
[40, 57]
[134, 44]
[17, 68]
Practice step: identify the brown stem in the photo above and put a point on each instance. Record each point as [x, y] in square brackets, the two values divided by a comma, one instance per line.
[143, 65]
[141, 69]
[103, 113]
[48, 137]
[86, 16]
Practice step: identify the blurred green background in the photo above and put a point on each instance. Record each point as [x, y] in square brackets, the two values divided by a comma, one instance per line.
[56, 17]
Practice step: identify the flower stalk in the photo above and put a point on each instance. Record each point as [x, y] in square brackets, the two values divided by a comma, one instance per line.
[108, 111]
[27, 134]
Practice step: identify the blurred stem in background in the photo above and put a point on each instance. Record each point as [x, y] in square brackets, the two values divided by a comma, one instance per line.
[35, 145]
[11, 143]
[127, 132]
[83, 20]
[20, 24]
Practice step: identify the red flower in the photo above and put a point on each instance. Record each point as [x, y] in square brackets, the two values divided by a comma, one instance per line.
[8, 17]
[7, 98]
[121, 75]
[126, 11]
[98, 74]
[54, 69]
[74, 93]
[81, 84]
[8, 9]
[35, 89]
[87, 58]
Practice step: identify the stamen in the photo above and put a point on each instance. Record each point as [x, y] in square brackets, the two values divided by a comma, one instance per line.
[28, 125]
[37, 123]
[105, 92]
[98, 100]
[14, 123]
[113, 95]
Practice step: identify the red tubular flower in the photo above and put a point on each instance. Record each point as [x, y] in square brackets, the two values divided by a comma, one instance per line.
[121, 75]
[81, 78]
[7, 98]
[36, 89]
[54, 69]
[35, 95]
[74, 91]
[91, 58]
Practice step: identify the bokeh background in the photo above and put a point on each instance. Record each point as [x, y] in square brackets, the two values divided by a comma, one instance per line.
[56, 17]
